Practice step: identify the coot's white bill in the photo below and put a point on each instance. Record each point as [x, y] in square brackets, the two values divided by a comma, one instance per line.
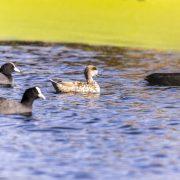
[40, 95]
[16, 69]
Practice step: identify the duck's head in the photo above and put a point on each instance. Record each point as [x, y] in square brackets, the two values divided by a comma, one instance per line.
[90, 71]
[9, 68]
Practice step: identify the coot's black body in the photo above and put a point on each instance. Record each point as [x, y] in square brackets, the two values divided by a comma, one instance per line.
[6, 71]
[164, 79]
[8, 106]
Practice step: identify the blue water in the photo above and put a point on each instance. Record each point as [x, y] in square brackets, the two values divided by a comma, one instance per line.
[130, 131]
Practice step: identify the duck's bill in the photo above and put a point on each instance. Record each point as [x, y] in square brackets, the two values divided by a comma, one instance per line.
[16, 70]
[40, 95]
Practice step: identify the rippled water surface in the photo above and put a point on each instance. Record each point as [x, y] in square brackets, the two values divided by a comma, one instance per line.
[130, 131]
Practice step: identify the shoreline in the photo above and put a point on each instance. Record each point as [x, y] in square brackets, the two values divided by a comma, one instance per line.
[79, 45]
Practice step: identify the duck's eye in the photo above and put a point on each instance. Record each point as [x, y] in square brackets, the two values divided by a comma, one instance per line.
[94, 68]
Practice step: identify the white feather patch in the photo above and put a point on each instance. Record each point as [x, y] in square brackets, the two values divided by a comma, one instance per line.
[40, 95]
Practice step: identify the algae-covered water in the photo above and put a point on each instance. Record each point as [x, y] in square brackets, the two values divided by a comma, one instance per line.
[130, 23]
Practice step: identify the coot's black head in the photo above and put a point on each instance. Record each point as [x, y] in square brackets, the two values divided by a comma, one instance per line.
[30, 95]
[8, 69]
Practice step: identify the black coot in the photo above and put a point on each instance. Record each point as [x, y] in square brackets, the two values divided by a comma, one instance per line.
[6, 71]
[25, 106]
[164, 79]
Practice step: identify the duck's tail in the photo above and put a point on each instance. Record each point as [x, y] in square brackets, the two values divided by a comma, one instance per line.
[56, 80]
[56, 84]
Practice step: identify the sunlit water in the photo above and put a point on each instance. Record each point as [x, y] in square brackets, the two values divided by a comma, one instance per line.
[130, 131]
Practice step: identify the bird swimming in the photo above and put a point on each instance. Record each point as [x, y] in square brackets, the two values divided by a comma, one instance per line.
[90, 86]
[8, 106]
[164, 79]
[6, 71]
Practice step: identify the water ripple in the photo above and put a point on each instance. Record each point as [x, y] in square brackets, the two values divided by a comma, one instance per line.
[130, 131]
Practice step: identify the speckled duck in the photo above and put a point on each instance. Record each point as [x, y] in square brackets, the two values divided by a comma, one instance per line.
[90, 86]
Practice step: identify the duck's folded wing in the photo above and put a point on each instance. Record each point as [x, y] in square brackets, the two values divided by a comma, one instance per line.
[68, 84]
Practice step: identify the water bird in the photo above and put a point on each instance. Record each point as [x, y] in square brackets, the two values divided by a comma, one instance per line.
[90, 86]
[6, 71]
[8, 106]
[164, 79]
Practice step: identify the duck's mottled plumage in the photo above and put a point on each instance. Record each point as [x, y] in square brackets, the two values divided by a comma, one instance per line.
[90, 86]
